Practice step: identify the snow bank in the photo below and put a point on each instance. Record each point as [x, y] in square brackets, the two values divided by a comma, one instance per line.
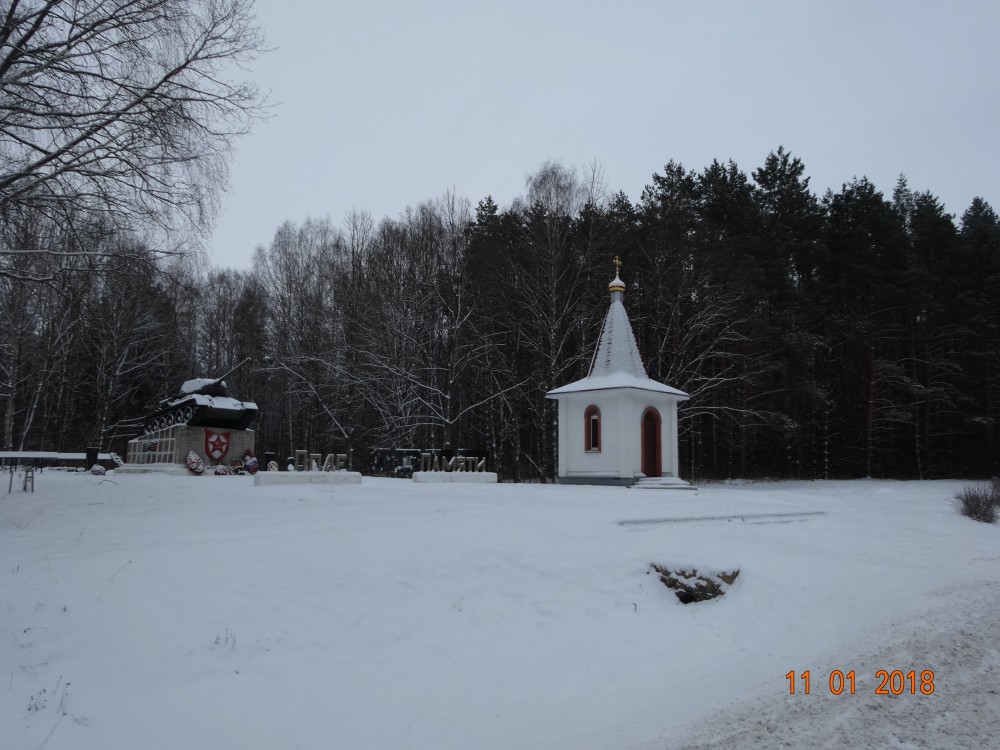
[958, 640]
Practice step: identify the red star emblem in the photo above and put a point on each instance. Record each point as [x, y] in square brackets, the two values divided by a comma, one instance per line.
[216, 444]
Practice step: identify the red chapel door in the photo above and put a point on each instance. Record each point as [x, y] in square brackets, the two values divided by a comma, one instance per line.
[651, 453]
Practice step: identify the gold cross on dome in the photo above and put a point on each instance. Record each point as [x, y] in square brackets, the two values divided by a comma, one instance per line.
[618, 265]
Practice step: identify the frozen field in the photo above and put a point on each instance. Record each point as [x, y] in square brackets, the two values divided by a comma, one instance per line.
[178, 612]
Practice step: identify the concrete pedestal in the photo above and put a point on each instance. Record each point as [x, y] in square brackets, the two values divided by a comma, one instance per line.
[172, 444]
[471, 477]
[271, 478]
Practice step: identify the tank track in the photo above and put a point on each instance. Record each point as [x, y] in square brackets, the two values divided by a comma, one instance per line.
[199, 415]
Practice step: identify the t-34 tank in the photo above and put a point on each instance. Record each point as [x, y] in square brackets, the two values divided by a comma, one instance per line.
[202, 402]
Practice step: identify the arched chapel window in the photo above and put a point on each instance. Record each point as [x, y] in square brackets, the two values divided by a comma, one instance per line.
[592, 429]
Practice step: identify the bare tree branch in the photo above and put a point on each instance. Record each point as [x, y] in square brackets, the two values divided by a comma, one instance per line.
[122, 109]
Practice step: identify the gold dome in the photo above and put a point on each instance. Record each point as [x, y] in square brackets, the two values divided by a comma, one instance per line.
[617, 285]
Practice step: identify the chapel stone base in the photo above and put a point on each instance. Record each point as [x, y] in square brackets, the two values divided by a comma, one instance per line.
[640, 482]
[596, 480]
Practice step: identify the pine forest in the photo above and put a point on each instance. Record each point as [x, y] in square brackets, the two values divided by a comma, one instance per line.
[846, 335]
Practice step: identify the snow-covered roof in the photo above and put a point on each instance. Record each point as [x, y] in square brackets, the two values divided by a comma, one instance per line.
[616, 380]
[616, 363]
[616, 349]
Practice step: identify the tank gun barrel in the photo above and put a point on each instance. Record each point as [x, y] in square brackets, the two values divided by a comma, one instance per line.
[231, 370]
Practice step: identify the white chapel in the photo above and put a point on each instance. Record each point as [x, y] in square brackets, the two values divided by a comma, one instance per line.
[617, 426]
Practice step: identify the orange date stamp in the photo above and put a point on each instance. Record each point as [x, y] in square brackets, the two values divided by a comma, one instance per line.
[890, 682]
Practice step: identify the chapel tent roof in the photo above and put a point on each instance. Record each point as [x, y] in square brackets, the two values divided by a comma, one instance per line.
[616, 362]
[616, 349]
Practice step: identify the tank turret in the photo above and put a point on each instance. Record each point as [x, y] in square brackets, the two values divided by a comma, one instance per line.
[203, 387]
[203, 402]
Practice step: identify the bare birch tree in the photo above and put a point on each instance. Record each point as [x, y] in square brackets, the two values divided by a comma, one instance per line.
[125, 110]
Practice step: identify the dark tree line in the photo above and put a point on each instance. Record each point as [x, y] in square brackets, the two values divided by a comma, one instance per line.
[844, 335]
[117, 118]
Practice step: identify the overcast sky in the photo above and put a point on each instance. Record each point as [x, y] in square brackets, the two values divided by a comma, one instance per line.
[381, 105]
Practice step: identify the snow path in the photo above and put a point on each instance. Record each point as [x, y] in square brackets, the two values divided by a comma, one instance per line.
[963, 712]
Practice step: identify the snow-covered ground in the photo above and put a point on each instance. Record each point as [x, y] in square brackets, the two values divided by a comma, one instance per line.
[147, 611]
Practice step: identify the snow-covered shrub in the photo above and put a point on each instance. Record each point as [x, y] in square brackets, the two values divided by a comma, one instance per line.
[691, 586]
[980, 502]
[97, 470]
